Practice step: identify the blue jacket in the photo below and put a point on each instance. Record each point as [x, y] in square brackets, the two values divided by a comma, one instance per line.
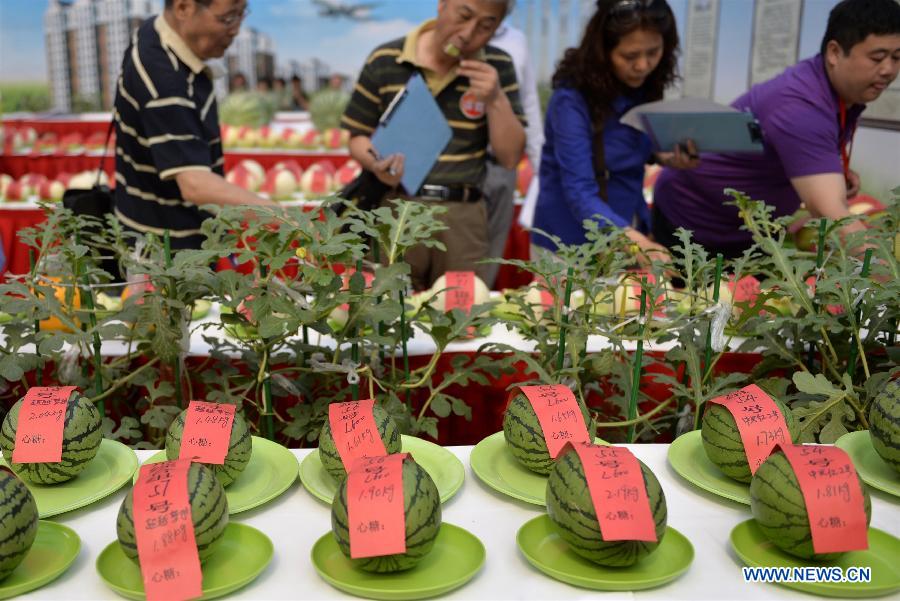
[569, 193]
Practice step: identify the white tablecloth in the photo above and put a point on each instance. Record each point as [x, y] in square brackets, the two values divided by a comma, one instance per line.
[296, 520]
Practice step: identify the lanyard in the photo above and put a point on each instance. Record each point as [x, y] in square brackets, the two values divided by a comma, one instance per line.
[845, 142]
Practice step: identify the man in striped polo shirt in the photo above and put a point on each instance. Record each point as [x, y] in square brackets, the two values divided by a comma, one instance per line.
[475, 86]
[169, 161]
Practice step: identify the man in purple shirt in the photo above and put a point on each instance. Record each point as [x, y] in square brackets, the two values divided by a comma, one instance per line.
[808, 115]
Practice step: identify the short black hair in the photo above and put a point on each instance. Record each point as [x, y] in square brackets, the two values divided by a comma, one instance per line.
[852, 21]
[171, 3]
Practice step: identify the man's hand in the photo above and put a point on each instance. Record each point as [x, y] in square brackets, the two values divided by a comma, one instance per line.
[389, 170]
[853, 183]
[649, 250]
[684, 156]
[484, 80]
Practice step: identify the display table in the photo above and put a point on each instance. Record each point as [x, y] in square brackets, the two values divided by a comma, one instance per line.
[296, 520]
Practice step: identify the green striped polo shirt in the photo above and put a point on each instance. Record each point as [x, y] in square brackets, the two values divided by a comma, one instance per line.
[386, 72]
[166, 123]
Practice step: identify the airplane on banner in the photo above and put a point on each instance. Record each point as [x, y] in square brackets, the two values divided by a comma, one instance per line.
[361, 11]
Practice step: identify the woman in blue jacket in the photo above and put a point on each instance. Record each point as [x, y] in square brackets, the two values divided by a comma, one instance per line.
[626, 57]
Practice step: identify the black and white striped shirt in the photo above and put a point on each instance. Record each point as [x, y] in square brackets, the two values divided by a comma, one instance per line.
[166, 122]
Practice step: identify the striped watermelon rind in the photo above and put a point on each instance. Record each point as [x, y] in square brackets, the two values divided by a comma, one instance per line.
[328, 453]
[18, 522]
[571, 509]
[209, 513]
[525, 437]
[422, 506]
[81, 441]
[722, 439]
[779, 508]
[884, 424]
[240, 447]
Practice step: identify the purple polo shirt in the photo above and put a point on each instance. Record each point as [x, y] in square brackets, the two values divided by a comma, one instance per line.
[798, 112]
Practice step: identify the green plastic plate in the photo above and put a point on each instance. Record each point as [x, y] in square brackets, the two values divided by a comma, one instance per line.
[109, 471]
[271, 471]
[687, 457]
[495, 466]
[456, 557]
[545, 550]
[755, 550]
[241, 556]
[55, 548]
[444, 467]
[869, 465]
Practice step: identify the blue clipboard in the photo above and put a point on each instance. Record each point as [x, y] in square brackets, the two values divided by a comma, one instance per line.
[414, 126]
[711, 132]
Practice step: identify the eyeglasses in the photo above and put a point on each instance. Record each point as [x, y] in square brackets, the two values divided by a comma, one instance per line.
[628, 10]
[232, 18]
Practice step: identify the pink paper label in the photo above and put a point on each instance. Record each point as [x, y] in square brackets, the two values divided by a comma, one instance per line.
[558, 413]
[460, 291]
[617, 492]
[759, 422]
[354, 431]
[377, 521]
[207, 432]
[834, 499]
[164, 529]
[42, 419]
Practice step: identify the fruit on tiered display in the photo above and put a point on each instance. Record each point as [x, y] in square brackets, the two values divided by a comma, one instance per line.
[18, 522]
[31, 183]
[86, 180]
[311, 139]
[334, 138]
[571, 509]
[209, 513]
[422, 509]
[331, 458]
[348, 172]
[51, 190]
[72, 143]
[240, 447]
[780, 509]
[242, 177]
[280, 184]
[5, 181]
[525, 436]
[257, 170]
[14, 192]
[316, 181]
[81, 441]
[723, 443]
[884, 424]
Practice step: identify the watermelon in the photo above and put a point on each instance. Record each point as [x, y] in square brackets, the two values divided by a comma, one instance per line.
[722, 440]
[18, 522]
[779, 508]
[422, 507]
[209, 513]
[81, 441]
[328, 453]
[240, 447]
[884, 424]
[571, 510]
[525, 437]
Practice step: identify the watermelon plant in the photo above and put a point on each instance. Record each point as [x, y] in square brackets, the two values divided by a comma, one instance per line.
[422, 513]
[240, 447]
[18, 522]
[209, 513]
[779, 508]
[572, 511]
[81, 441]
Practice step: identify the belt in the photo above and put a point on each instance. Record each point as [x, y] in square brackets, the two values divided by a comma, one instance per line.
[449, 193]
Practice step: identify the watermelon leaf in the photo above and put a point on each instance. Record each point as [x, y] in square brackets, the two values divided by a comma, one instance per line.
[816, 385]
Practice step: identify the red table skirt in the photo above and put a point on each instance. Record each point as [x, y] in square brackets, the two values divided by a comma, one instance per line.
[12, 222]
[60, 127]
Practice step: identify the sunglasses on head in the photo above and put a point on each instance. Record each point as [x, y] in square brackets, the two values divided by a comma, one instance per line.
[625, 11]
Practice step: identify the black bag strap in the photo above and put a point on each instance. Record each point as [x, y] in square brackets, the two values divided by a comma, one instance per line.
[109, 131]
[600, 171]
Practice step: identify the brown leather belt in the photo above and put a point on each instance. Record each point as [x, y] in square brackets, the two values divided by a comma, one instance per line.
[449, 193]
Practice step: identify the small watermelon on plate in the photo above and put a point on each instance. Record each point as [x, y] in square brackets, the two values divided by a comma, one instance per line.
[422, 507]
[209, 513]
[525, 437]
[81, 441]
[779, 508]
[722, 440]
[884, 424]
[240, 447]
[571, 509]
[328, 453]
[18, 522]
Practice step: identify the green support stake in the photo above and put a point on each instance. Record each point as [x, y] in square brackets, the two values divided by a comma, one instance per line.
[405, 351]
[267, 384]
[854, 351]
[39, 375]
[88, 296]
[561, 354]
[354, 348]
[638, 361]
[167, 250]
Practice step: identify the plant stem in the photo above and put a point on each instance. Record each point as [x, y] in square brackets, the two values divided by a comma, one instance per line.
[637, 420]
[820, 259]
[408, 400]
[116, 384]
[858, 348]
[561, 353]
[39, 375]
[638, 360]
[708, 352]
[176, 368]
[88, 297]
